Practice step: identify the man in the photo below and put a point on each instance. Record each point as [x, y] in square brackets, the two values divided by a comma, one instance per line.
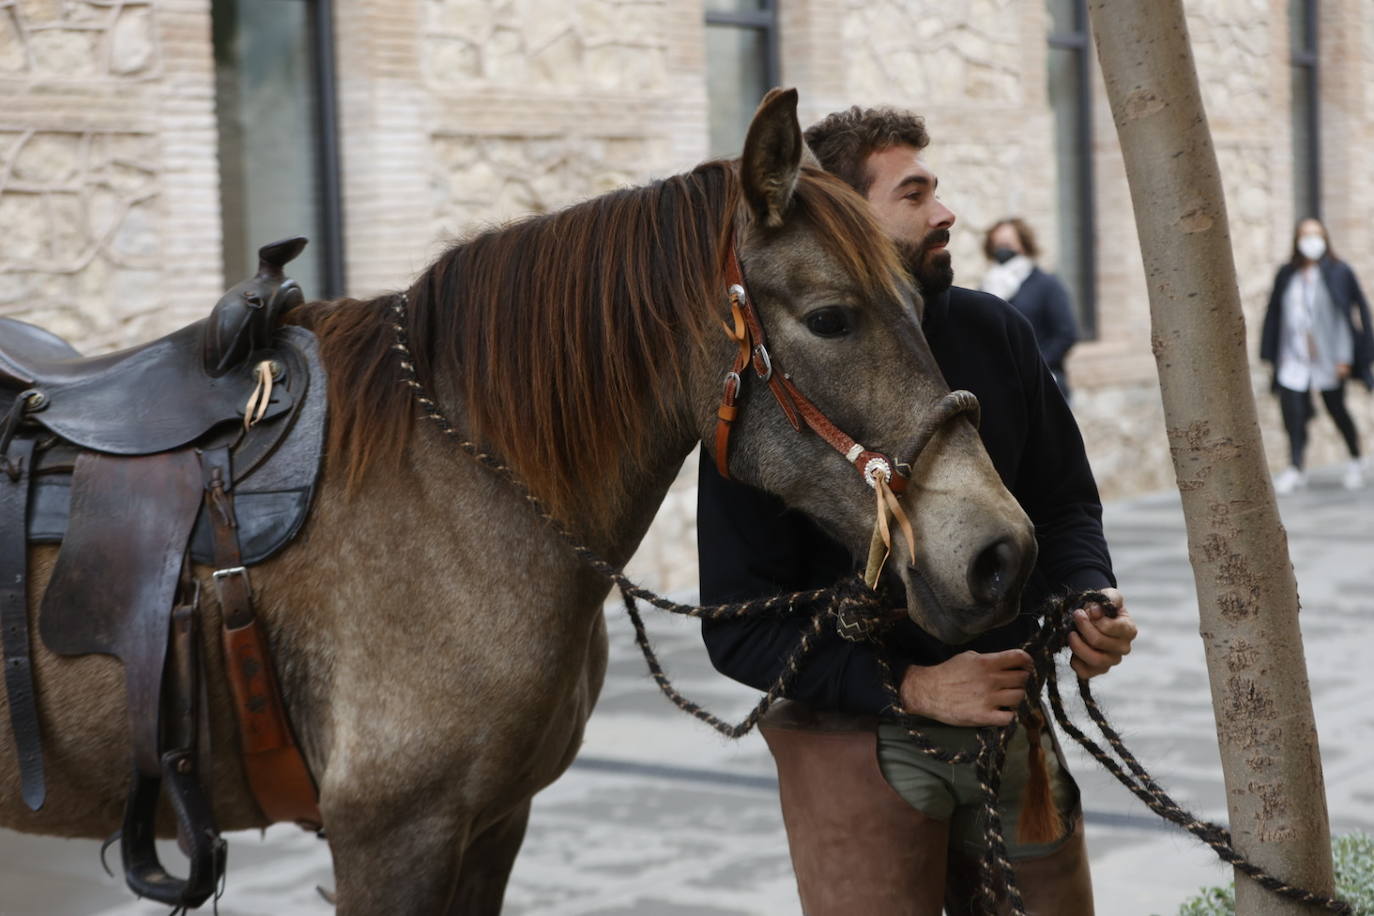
[855, 846]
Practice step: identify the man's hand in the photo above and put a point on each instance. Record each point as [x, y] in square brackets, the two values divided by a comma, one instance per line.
[970, 689]
[1101, 641]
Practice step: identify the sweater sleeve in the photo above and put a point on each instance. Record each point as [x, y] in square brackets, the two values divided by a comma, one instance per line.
[1061, 331]
[1055, 486]
[1363, 334]
[750, 546]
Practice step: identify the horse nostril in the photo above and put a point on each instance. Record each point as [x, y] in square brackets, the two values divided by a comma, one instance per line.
[995, 571]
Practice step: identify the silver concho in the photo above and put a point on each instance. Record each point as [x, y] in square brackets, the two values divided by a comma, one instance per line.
[873, 468]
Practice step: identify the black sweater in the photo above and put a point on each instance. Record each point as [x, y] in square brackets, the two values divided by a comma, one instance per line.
[750, 545]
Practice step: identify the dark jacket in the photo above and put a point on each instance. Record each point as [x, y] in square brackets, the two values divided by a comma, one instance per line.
[751, 545]
[1345, 294]
[1044, 301]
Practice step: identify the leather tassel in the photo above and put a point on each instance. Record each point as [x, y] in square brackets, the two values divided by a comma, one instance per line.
[1040, 821]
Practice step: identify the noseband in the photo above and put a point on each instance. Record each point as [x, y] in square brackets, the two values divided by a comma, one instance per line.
[875, 467]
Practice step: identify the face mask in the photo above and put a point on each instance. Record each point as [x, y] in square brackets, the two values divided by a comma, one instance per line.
[1312, 247]
[1003, 255]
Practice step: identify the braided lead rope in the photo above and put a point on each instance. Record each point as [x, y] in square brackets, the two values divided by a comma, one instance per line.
[1148, 791]
[791, 669]
[858, 611]
[995, 868]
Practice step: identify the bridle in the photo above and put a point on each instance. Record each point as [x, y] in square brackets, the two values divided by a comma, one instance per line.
[887, 477]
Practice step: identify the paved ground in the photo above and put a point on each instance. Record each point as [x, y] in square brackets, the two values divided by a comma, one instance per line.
[661, 817]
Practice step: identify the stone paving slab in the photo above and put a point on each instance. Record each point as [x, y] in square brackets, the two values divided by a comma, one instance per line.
[660, 816]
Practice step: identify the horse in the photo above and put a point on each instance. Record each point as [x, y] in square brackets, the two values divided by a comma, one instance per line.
[439, 646]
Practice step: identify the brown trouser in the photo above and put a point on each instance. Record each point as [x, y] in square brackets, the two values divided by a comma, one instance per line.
[858, 847]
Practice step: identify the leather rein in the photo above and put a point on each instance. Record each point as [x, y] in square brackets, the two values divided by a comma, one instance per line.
[887, 477]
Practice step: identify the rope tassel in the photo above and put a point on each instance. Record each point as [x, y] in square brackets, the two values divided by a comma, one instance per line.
[256, 408]
[880, 546]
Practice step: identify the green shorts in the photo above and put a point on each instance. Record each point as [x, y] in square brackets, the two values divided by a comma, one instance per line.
[950, 792]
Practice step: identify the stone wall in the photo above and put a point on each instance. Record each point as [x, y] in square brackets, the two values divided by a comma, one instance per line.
[108, 180]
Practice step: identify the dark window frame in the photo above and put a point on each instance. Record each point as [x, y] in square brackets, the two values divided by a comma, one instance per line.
[1306, 55]
[1079, 41]
[327, 235]
[327, 151]
[764, 20]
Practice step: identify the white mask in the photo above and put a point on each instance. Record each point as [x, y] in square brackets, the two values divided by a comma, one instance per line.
[1312, 247]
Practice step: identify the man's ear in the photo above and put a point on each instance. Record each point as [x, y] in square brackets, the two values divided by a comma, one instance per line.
[772, 157]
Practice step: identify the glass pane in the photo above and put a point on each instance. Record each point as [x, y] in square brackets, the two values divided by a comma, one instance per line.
[266, 105]
[737, 6]
[1064, 16]
[1072, 165]
[1302, 15]
[1305, 191]
[736, 79]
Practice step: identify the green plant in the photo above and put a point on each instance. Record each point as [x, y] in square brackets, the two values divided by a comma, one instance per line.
[1353, 858]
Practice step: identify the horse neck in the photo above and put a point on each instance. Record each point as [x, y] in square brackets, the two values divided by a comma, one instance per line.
[664, 440]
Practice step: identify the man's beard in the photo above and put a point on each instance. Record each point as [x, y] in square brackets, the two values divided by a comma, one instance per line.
[930, 268]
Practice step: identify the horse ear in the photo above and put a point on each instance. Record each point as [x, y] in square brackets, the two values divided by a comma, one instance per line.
[772, 156]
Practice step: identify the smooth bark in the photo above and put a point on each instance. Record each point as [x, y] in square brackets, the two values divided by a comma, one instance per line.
[1246, 590]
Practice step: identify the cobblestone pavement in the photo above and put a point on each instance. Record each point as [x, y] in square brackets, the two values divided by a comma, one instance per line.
[660, 816]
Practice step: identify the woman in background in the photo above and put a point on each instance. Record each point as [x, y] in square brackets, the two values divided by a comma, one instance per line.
[1013, 276]
[1316, 336]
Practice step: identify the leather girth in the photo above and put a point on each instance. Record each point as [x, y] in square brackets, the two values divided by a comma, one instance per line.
[277, 773]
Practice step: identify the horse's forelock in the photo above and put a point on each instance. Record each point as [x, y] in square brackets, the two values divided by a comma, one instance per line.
[849, 232]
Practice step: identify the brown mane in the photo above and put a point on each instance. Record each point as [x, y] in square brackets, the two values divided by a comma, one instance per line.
[565, 333]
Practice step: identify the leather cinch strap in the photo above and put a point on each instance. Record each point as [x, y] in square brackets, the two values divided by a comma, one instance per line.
[276, 771]
[14, 620]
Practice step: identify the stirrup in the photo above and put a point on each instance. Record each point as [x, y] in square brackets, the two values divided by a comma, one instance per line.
[207, 851]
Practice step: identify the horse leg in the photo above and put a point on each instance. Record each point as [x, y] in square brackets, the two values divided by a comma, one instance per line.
[487, 865]
[394, 859]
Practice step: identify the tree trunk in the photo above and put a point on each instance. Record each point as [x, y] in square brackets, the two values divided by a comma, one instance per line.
[1238, 548]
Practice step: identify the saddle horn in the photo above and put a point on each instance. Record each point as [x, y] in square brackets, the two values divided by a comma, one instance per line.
[273, 257]
[245, 318]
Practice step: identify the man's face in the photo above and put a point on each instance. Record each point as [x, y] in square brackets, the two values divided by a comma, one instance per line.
[902, 194]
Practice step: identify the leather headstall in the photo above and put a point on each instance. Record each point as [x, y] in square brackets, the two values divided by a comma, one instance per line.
[748, 333]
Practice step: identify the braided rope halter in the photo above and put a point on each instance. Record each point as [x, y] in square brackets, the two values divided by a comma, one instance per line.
[859, 614]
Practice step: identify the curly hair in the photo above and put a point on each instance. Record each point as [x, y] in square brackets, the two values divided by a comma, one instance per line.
[843, 141]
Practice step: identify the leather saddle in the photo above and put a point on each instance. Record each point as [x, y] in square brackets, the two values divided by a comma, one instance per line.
[203, 446]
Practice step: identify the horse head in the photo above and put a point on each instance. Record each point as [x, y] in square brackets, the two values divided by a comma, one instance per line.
[842, 323]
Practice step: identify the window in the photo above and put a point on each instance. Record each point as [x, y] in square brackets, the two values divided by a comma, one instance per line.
[741, 65]
[1307, 183]
[1070, 96]
[279, 171]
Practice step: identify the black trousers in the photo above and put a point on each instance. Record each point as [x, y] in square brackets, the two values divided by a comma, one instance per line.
[1297, 409]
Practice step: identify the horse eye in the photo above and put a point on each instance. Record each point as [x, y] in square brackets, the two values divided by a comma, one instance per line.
[828, 322]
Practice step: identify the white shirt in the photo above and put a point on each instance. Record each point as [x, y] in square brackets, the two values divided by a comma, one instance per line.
[1004, 280]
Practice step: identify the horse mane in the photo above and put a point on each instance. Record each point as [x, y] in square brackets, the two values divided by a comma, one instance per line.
[563, 334]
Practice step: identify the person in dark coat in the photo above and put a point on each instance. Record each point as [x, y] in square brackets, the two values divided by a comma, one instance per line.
[1041, 297]
[1317, 337]
[844, 767]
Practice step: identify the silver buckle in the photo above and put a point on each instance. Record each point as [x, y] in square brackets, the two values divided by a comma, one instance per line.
[231, 571]
[761, 352]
